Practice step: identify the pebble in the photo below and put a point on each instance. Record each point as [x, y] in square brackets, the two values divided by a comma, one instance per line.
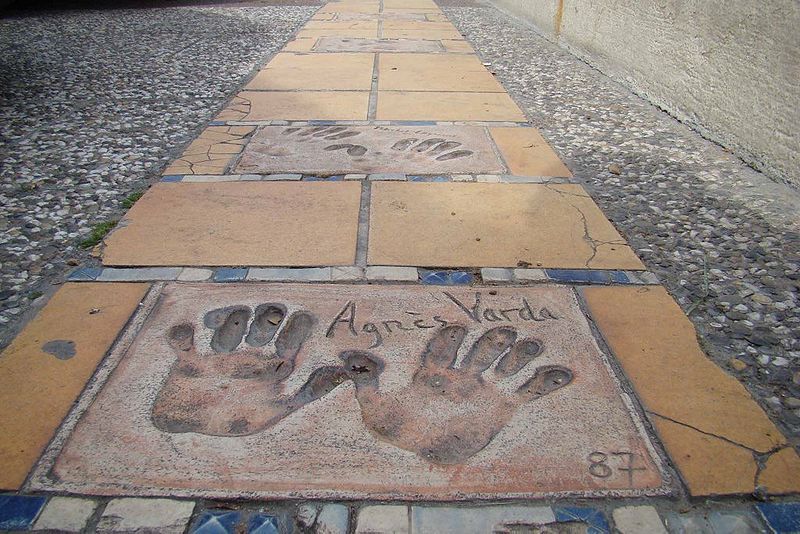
[146, 82]
[737, 364]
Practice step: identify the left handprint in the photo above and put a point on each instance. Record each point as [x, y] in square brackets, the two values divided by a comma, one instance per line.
[227, 390]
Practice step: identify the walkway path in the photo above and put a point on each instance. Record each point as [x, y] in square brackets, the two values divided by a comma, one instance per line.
[371, 279]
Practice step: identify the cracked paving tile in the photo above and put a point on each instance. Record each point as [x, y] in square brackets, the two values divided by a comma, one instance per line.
[716, 434]
[469, 224]
[212, 151]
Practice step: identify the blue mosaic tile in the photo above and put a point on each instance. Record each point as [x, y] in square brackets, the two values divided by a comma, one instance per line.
[262, 524]
[229, 275]
[217, 522]
[594, 519]
[216, 123]
[17, 512]
[588, 276]
[84, 274]
[445, 278]
[172, 178]
[321, 122]
[781, 517]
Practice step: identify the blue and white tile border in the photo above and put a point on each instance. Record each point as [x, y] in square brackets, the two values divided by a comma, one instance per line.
[372, 273]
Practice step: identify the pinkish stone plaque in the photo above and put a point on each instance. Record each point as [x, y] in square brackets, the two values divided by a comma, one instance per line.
[335, 391]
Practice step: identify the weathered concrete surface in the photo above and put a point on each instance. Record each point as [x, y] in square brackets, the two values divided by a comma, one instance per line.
[728, 69]
[287, 71]
[484, 224]
[346, 44]
[708, 422]
[297, 105]
[47, 366]
[371, 149]
[446, 106]
[359, 391]
[435, 72]
[239, 223]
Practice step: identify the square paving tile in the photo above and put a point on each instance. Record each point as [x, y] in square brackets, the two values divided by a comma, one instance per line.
[297, 105]
[341, 25]
[527, 153]
[408, 105]
[335, 391]
[347, 44]
[410, 4]
[492, 225]
[315, 72]
[341, 32]
[370, 149]
[239, 223]
[350, 7]
[435, 72]
[456, 46]
[46, 367]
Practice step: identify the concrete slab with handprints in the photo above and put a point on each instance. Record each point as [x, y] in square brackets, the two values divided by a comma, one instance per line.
[390, 392]
[371, 149]
[350, 44]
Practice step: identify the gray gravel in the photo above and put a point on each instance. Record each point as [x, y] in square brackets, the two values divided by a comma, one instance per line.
[722, 237]
[93, 104]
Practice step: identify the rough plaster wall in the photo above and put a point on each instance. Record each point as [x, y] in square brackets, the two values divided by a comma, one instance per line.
[729, 68]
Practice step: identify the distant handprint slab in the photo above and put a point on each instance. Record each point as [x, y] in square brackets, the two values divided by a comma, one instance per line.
[340, 149]
[396, 392]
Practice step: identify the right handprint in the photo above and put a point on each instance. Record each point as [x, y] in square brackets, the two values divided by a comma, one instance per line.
[447, 414]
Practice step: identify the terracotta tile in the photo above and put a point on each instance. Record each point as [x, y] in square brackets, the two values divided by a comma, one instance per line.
[657, 346]
[421, 34]
[377, 419]
[341, 32]
[350, 7]
[435, 72]
[299, 105]
[341, 25]
[457, 46]
[46, 367]
[407, 105]
[382, 16]
[527, 153]
[708, 465]
[289, 71]
[491, 225]
[781, 474]
[410, 4]
[212, 151]
[331, 150]
[417, 10]
[300, 45]
[239, 223]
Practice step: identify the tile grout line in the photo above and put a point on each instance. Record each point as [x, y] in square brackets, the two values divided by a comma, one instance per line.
[372, 106]
[362, 239]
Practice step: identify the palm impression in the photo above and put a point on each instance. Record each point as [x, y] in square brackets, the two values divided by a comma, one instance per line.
[234, 386]
[447, 414]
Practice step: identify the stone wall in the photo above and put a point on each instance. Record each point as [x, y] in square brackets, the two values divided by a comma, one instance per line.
[729, 69]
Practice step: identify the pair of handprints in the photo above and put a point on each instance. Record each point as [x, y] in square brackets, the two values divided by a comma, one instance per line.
[446, 414]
